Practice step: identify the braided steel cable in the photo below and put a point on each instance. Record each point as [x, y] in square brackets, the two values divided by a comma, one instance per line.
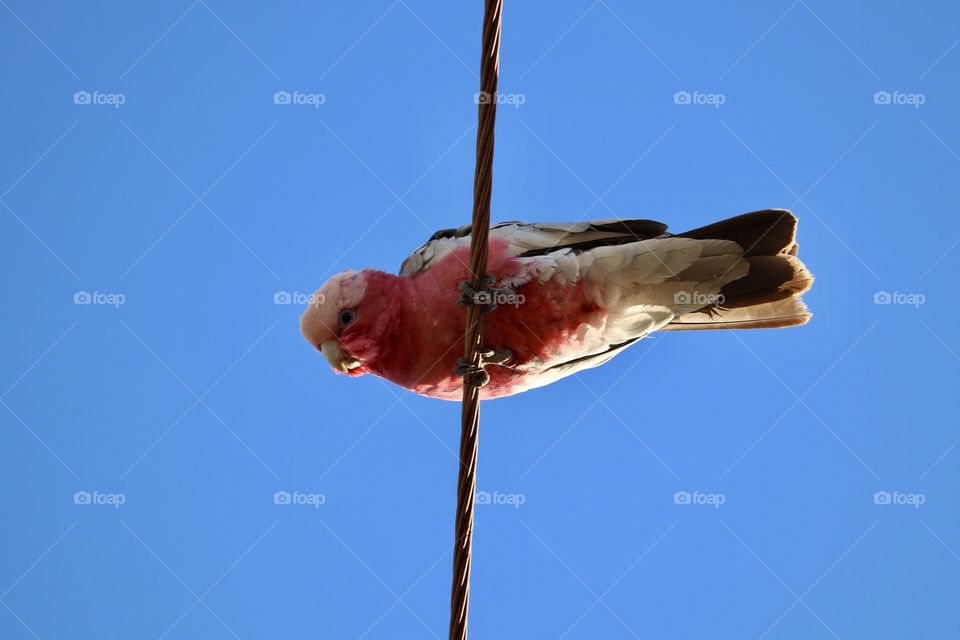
[470, 416]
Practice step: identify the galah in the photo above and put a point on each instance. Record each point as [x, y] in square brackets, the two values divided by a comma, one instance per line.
[566, 296]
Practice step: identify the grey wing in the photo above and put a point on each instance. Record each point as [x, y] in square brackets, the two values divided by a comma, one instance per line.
[536, 239]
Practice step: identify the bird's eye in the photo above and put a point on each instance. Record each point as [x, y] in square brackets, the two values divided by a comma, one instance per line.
[347, 316]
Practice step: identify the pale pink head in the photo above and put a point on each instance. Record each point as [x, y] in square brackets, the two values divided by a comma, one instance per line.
[345, 320]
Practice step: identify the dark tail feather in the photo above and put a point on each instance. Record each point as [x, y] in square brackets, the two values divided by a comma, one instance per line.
[769, 295]
[770, 279]
[761, 233]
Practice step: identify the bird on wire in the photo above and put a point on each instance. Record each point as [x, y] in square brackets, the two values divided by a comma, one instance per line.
[561, 297]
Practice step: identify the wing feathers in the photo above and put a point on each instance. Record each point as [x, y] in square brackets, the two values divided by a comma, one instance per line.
[537, 239]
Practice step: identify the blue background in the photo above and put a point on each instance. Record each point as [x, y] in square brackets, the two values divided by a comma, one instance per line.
[199, 200]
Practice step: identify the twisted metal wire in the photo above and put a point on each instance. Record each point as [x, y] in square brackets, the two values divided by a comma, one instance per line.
[470, 416]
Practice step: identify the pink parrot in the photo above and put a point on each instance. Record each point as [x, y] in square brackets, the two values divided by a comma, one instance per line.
[568, 296]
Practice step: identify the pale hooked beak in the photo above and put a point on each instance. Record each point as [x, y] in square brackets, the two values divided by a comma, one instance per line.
[337, 359]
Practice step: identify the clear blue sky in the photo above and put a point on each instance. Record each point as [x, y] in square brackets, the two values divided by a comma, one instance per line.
[181, 398]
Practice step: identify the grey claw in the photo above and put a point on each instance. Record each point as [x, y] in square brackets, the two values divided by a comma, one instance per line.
[477, 376]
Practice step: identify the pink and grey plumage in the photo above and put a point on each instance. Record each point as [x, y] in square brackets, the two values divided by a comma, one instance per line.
[584, 291]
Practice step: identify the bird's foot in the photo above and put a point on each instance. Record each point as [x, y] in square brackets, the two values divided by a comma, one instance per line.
[486, 294]
[476, 375]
